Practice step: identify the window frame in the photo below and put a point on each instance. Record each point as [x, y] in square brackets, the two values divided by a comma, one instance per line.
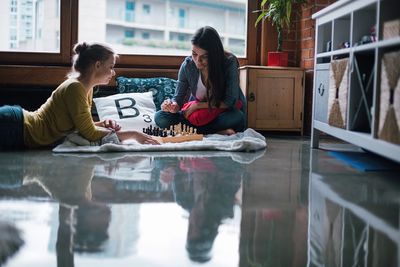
[69, 36]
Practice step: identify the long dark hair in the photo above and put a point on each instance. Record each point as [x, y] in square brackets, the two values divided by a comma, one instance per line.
[207, 38]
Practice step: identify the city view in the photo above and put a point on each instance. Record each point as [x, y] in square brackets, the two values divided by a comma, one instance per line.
[151, 27]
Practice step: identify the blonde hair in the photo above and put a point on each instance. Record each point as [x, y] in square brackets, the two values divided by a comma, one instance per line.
[87, 54]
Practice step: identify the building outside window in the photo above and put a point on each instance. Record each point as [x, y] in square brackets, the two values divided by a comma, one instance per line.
[162, 27]
[129, 33]
[146, 9]
[30, 25]
[182, 16]
[130, 11]
[146, 35]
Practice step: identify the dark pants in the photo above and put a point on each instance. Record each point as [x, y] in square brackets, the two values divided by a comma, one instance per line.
[11, 128]
[231, 119]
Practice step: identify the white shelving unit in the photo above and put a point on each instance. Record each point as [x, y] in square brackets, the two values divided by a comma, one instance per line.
[340, 29]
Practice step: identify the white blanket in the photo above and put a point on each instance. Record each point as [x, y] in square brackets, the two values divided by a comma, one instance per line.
[247, 141]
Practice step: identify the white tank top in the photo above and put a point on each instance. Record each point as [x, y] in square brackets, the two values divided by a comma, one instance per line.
[201, 92]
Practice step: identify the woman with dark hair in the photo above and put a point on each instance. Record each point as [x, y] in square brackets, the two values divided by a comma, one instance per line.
[68, 108]
[209, 77]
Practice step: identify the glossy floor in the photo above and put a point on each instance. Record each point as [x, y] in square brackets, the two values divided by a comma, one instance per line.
[286, 206]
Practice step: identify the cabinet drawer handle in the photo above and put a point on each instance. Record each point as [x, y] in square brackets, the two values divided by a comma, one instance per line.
[252, 97]
[321, 89]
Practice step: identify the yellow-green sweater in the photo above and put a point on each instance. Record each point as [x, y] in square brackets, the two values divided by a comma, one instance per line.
[67, 110]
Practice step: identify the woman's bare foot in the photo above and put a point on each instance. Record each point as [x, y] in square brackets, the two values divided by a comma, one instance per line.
[227, 132]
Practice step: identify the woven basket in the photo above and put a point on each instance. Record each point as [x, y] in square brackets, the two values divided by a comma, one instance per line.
[389, 111]
[391, 29]
[338, 91]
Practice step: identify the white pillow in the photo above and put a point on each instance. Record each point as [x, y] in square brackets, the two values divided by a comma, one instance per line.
[133, 111]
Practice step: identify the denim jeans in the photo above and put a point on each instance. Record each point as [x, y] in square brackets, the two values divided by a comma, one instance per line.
[233, 118]
[11, 128]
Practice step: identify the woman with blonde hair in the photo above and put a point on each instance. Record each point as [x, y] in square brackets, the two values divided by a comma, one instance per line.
[68, 109]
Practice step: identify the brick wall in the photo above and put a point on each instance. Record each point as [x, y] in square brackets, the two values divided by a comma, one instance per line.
[299, 41]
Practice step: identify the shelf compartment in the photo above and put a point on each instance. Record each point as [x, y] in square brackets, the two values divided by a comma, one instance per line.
[389, 98]
[361, 93]
[338, 93]
[321, 92]
[324, 43]
[389, 11]
[341, 32]
[364, 26]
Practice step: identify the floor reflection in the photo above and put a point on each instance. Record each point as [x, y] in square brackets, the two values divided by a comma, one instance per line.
[207, 189]
[354, 219]
[97, 207]
[274, 211]
[289, 206]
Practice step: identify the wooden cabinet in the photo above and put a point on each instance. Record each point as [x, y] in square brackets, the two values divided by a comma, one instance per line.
[275, 97]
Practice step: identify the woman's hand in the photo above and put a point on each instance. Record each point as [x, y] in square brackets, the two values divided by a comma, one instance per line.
[193, 107]
[110, 124]
[145, 139]
[141, 138]
[169, 106]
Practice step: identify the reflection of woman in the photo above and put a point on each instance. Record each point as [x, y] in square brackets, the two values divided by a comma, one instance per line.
[210, 77]
[82, 228]
[83, 223]
[207, 190]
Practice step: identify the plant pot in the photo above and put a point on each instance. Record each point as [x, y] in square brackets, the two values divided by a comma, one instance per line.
[278, 59]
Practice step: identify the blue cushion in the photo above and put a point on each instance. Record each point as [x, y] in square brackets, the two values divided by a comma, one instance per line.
[161, 87]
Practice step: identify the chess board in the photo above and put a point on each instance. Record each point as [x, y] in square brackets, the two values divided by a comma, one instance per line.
[175, 134]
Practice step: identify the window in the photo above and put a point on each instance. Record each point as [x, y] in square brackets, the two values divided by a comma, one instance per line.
[129, 33]
[130, 11]
[53, 38]
[165, 24]
[182, 18]
[130, 5]
[146, 35]
[146, 9]
[30, 18]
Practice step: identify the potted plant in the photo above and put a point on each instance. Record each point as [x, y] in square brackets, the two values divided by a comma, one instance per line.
[279, 13]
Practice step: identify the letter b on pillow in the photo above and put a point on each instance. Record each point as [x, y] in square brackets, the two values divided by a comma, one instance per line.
[119, 103]
[133, 111]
